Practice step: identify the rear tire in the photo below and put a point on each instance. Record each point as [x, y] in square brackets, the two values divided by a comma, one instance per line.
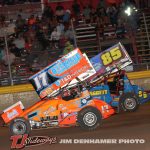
[20, 126]
[129, 102]
[89, 118]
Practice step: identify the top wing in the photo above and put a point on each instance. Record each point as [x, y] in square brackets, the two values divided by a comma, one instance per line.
[61, 72]
[110, 60]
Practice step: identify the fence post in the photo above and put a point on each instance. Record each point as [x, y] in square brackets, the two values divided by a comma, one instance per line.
[8, 57]
[147, 66]
[42, 5]
[133, 40]
[74, 34]
[99, 43]
[146, 28]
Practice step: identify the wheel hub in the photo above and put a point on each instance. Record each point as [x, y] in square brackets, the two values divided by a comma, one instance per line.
[19, 128]
[130, 103]
[90, 119]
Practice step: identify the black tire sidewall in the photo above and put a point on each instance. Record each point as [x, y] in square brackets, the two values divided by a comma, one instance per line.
[26, 123]
[83, 112]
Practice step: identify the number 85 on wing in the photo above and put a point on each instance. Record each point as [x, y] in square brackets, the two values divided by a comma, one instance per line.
[111, 56]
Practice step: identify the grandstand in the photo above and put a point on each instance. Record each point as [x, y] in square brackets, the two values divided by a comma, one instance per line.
[90, 36]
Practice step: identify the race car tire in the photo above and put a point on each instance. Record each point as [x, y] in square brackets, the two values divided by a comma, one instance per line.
[19, 126]
[89, 118]
[129, 102]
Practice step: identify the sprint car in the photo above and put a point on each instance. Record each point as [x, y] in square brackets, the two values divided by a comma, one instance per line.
[54, 110]
[62, 110]
[119, 93]
[117, 90]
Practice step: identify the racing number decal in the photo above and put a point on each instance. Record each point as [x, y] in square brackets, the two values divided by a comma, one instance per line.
[116, 53]
[107, 59]
[111, 56]
[143, 94]
[104, 108]
[41, 81]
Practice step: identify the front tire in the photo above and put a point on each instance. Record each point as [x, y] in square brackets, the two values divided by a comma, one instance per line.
[129, 102]
[20, 126]
[89, 118]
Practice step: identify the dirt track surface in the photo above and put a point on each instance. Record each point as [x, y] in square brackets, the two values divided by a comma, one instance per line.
[120, 126]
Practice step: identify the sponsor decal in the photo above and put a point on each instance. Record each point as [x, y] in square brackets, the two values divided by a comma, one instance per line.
[49, 110]
[12, 114]
[100, 92]
[84, 101]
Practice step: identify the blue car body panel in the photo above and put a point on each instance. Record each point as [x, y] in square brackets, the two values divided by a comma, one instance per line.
[103, 92]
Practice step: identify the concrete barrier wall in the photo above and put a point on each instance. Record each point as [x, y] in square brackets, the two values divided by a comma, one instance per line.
[27, 98]
[30, 97]
[145, 83]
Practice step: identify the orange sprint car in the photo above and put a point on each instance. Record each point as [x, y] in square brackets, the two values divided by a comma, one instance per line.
[71, 107]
